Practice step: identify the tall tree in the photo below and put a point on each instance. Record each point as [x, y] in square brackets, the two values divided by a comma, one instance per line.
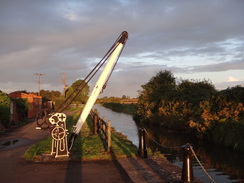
[193, 92]
[50, 95]
[76, 87]
[160, 87]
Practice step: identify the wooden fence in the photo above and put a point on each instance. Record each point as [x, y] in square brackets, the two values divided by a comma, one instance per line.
[103, 128]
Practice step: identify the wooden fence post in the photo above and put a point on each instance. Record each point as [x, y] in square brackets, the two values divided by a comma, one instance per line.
[98, 122]
[103, 126]
[95, 124]
[108, 135]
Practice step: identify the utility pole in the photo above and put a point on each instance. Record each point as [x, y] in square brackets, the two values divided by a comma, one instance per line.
[39, 82]
[64, 83]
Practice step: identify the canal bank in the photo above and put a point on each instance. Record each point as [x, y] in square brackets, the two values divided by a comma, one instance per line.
[223, 165]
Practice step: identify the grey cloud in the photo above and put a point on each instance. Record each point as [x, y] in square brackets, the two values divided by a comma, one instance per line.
[71, 36]
[224, 66]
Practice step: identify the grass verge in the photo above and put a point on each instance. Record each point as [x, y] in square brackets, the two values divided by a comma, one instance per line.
[87, 146]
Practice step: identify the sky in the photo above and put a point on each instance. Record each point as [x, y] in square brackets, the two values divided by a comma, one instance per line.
[194, 39]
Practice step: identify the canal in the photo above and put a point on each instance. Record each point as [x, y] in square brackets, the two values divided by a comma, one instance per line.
[223, 164]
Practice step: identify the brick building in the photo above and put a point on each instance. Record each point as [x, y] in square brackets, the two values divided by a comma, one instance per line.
[35, 102]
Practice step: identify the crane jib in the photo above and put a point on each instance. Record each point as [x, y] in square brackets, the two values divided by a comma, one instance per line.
[118, 47]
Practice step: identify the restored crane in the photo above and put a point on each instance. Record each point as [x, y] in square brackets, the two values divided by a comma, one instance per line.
[55, 121]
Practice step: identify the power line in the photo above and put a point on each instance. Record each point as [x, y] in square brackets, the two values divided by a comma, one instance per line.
[39, 82]
[64, 83]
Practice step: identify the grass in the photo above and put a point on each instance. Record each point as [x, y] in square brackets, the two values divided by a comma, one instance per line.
[38, 149]
[87, 146]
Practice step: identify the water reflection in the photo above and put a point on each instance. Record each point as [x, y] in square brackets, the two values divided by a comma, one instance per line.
[223, 160]
[224, 165]
[121, 122]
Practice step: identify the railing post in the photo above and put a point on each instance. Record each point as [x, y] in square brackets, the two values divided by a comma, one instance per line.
[95, 123]
[103, 124]
[108, 135]
[98, 122]
[187, 172]
[142, 151]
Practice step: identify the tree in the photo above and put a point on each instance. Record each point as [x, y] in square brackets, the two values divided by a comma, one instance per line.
[4, 109]
[234, 94]
[160, 87]
[193, 92]
[76, 87]
[50, 95]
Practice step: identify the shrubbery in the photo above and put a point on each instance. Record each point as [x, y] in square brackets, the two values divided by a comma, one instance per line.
[4, 109]
[193, 107]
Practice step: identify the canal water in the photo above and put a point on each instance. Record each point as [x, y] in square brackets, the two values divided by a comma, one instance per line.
[121, 122]
[223, 164]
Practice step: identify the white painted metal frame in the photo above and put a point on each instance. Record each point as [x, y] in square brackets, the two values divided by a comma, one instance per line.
[98, 88]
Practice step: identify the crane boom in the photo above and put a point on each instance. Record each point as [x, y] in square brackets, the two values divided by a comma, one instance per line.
[118, 47]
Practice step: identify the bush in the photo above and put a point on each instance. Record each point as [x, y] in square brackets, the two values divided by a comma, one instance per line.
[22, 108]
[193, 107]
[4, 109]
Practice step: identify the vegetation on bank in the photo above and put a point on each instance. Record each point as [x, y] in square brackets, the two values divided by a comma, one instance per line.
[124, 108]
[123, 100]
[87, 146]
[5, 115]
[193, 107]
[4, 109]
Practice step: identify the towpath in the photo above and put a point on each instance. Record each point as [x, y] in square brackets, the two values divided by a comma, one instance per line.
[14, 168]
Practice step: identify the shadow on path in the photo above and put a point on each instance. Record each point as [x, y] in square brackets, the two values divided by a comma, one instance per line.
[74, 172]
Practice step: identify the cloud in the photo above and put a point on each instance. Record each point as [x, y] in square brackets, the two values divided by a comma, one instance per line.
[223, 66]
[232, 79]
[55, 36]
[224, 85]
